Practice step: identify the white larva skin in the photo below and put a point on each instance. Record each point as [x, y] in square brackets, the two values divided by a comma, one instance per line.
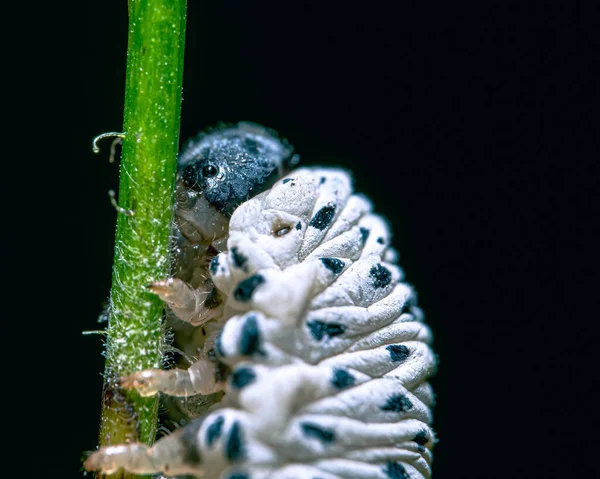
[329, 354]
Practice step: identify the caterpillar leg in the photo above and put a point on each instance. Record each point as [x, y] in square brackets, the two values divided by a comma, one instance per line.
[202, 377]
[173, 455]
[194, 306]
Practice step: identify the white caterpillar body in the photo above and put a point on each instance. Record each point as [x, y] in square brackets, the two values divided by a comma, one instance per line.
[328, 351]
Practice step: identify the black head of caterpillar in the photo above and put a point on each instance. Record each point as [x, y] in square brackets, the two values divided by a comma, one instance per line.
[220, 169]
[230, 164]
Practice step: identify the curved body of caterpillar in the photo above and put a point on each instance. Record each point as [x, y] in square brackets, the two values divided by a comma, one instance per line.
[328, 353]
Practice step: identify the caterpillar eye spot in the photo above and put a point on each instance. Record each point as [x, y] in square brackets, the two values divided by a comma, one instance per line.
[209, 171]
[282, 230]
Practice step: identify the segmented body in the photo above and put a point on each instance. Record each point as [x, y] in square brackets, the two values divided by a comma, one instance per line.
[328, 353]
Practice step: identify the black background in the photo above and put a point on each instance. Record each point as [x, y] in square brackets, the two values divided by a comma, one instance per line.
[473, 126]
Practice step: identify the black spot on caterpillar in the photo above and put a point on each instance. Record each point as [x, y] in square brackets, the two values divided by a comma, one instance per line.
[395, 470]
[250, 340]
[213, 432]
[334, 265]
[381, 276]
[421, 438]
[342, 379]
[397, 403]
[364, 234]
[214, 265]
[234, 448]
[322, 434]
[239, 260]
[398, 352]
[323, 217]
[241, 377]
[319, 329]
[246, 288]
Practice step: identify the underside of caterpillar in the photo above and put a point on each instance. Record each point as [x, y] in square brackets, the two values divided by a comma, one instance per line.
[327, 352]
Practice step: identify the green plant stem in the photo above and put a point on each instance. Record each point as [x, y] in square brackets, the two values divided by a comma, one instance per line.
[135, 336]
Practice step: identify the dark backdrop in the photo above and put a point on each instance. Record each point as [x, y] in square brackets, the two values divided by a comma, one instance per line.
[473, 126]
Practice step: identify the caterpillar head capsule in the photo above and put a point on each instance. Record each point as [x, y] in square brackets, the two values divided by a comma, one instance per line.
[228, 165]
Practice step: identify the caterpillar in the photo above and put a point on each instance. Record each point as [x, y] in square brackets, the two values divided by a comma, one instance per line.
[319, 346]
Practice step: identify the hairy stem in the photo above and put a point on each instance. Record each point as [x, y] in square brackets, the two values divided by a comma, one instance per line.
[135, 336]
